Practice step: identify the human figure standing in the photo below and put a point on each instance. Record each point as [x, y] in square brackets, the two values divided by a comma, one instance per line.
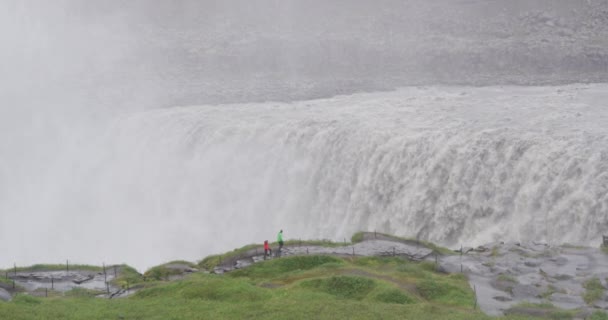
[267, 250]
[280, 241]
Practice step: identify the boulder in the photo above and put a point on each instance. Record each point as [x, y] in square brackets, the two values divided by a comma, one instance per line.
[5, 295]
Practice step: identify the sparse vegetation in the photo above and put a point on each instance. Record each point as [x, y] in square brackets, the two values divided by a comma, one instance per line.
[594, 290]
[540, 311]
[598, 315]
[347, 287]
[550, 291]
[506, 278]
[164, 271]
[83, 293]
[357, 237]
[294, 287]
[495, 252]
[127, 276]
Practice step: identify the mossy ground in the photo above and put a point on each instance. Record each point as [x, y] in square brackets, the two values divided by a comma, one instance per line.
[296, 287]
[299, 287]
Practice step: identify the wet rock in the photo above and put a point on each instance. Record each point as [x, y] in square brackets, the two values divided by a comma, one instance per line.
[502, 285]
[601, 304]
[563, 277]
[464, 250]
[532, 263]
[4, 295]
[502, 298]
[481, 249]
[531, 312]
[451, 267]
[82, 278]
[242, 264]
[260, 258]
[566, 301]
[525, 291]
[560, 261]
[218, 270]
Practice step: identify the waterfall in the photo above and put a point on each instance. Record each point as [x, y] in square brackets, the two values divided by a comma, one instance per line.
[453, 165]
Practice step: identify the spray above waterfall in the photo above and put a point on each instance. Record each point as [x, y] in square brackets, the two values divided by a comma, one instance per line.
[144, 131]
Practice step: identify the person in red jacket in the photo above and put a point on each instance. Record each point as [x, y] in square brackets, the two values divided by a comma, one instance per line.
[267, 250]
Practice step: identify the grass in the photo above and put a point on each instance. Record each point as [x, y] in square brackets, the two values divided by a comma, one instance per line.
[347, 287]
[551, 289]
[295, 287]
[357, 237]
[594, 290]
[542, 310]
[495, 252]
[127, 276]
[598, 315]
[83, 293]
[301, 287]
[164, 271]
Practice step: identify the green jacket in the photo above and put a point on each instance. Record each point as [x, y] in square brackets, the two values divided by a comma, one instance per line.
[280, 237]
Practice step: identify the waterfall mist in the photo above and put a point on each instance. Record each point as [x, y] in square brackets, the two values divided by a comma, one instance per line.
[98, 161]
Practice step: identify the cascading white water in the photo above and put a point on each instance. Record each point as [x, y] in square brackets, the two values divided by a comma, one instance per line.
[454, 165]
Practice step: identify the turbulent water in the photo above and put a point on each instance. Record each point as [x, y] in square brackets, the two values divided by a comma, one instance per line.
[455, 165]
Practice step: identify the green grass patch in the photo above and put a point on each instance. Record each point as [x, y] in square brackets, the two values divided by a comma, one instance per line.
[164, 271]
[598, 315]
[320, 287]
[375, 262]
[357, 237]
[594, 290]
[446, 290]
[543, 305]
[495, 252]
[348, 287]
[213, 261]
[83, 293]
[542, 310]
[127, 276]
[550, 291]
[394, 296]
[208, 287]
[278, 267]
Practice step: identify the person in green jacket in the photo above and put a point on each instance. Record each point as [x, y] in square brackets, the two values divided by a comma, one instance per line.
[280, 240]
